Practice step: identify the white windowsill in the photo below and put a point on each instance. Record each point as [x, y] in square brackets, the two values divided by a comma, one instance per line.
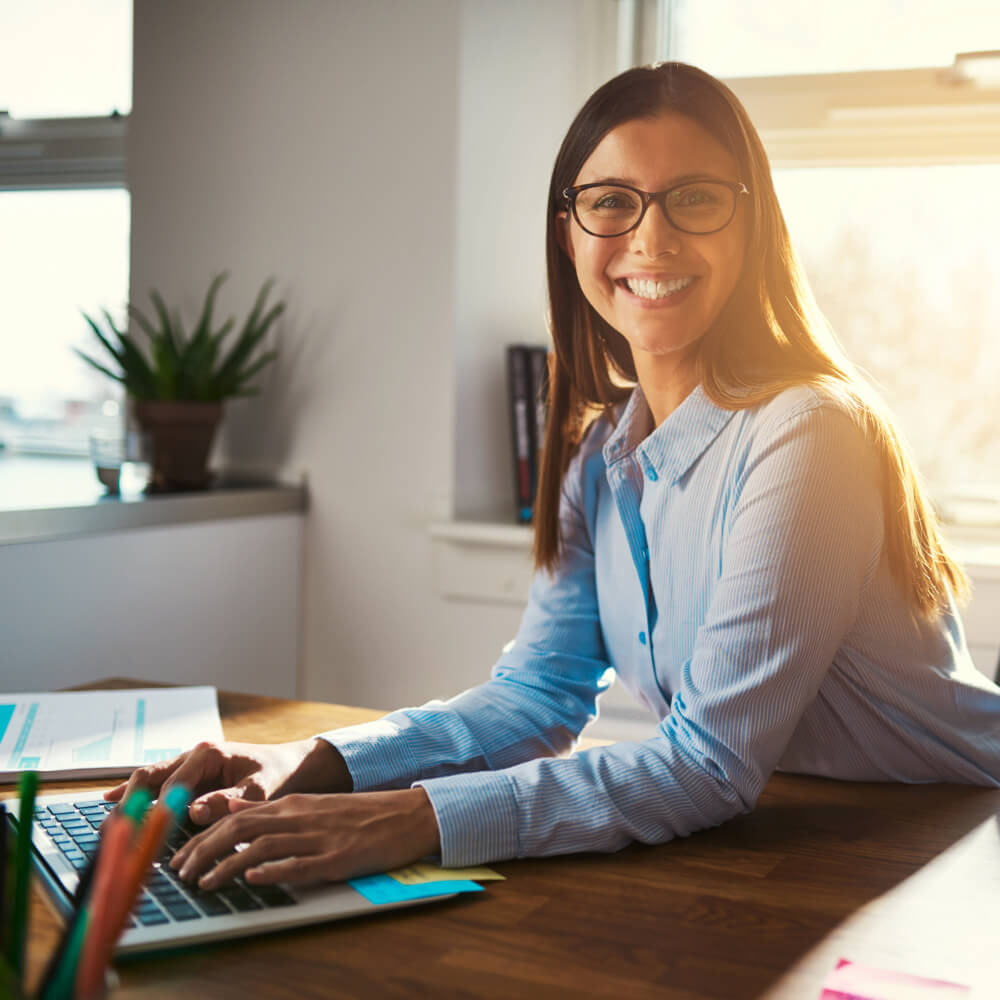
[50, 499]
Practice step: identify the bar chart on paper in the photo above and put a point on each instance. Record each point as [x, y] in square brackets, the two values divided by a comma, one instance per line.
[102, 734]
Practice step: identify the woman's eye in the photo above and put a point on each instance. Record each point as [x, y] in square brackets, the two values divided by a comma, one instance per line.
[693, 197]
[614, 201]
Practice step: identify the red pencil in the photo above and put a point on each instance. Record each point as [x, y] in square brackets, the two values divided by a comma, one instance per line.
[131, 874]
[116, 842]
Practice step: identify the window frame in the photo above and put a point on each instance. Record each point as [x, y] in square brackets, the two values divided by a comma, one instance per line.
[38, 154]
[899, 117]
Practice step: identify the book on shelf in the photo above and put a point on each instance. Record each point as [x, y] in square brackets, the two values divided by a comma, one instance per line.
[527, 386]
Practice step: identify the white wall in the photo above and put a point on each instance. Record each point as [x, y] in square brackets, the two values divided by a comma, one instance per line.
[526, 67]
[336, 145]
[210, 603]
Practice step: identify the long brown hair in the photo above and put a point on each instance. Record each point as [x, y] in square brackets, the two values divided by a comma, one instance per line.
[769, 335]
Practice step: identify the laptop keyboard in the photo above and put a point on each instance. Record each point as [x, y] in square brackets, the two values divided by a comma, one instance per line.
[75, 829]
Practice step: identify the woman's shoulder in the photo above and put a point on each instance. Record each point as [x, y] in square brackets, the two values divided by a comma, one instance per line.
[814, 425]
[819, 407]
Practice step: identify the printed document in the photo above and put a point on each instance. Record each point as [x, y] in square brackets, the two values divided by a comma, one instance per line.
[102, 734]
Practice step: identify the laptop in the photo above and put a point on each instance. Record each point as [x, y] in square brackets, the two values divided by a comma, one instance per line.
[171, 913]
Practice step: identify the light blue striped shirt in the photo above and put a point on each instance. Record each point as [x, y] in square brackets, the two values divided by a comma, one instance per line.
[728, 567]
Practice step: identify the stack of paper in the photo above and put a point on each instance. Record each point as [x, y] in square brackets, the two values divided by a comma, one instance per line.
[102, 734]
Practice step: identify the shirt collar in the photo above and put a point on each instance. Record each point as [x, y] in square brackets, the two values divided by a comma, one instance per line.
[673, 447]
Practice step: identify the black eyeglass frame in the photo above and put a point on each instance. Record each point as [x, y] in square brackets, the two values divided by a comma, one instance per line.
[648, 197]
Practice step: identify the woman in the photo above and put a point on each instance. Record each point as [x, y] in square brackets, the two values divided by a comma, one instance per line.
[726, 518]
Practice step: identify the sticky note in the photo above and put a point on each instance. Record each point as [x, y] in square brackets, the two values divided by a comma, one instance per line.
[381, 889]
[420, 873]
[851, 981]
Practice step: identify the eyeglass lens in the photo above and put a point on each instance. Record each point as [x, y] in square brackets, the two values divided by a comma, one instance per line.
[699, 207]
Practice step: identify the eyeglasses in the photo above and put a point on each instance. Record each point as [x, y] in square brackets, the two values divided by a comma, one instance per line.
[696, 207]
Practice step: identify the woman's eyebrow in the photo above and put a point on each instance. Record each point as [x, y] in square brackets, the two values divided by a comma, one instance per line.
[682, 179]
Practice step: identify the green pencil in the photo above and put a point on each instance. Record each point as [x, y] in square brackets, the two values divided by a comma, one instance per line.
[18, 934]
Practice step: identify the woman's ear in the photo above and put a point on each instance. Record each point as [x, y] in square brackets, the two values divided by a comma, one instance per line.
[562, 235]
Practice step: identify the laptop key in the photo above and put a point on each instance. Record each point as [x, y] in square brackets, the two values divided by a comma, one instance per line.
[150, 918]
[239, 899]
[272, 895]
[181, 909]
[210, 904]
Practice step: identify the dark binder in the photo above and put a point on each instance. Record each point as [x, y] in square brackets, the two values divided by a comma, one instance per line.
[521, 420]
[528, 386]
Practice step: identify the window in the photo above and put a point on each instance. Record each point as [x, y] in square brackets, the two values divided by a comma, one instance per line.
[904, 262]
[731, 38]
[886, 156]
[65, 91]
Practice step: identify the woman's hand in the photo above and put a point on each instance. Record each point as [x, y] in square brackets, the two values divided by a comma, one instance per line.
[308, 838]
[225, 773]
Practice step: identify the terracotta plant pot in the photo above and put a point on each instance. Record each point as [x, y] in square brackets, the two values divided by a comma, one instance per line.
[181, 435]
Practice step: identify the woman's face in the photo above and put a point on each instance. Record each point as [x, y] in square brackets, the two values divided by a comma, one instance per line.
[659, 287]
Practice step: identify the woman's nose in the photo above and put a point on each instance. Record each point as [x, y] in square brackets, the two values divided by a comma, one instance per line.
[655, 236]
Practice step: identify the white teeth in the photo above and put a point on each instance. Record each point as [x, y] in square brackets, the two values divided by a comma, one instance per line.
[647, 289]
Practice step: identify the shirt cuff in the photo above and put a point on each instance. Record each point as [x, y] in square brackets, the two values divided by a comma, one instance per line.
[476, 816]
[373, 758]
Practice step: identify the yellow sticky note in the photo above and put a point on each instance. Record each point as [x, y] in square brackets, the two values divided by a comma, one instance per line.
[420, 873]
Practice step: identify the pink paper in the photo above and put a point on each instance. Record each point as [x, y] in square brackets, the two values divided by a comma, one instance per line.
[850, 981]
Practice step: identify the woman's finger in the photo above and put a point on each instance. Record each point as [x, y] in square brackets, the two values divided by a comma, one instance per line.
[151, 776]
[201, 851]
[212, 806]
[264, 848]
[310, 868]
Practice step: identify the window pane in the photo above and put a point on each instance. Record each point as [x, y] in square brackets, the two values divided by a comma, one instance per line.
[735, 38]
[62, 59]
[905, 264]
[61, 252]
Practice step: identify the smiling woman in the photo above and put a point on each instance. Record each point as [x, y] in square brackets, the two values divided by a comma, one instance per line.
[727, 523]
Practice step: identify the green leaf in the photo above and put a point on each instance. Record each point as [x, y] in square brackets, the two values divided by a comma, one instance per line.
[104, 340]
[228, 374]
[140, 317]
[106, 371]
[204, 327]
[166, 326]
[248, 373]
[198, 358]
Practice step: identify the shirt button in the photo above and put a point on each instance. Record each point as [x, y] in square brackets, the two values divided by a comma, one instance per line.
[642, 638]
[651, 474]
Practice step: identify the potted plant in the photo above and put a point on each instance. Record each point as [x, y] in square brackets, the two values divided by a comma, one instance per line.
[177, 383]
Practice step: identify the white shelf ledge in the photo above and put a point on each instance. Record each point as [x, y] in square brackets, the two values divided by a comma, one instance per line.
[483, 561]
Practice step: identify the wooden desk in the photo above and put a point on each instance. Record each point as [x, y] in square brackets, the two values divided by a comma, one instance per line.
[904, 877]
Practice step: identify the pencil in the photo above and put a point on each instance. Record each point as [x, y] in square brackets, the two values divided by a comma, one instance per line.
[17, 936]
[60, 987]
[168, 811]
[4, 862]
[77, 916]
[116, 842]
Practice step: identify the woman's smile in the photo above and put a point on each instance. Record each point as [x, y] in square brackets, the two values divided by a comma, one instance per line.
[657, 290]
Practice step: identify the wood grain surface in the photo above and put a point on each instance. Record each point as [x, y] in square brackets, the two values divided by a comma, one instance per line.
[902, 877]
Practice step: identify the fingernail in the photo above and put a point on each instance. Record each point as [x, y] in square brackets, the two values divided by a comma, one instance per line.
[207, 881]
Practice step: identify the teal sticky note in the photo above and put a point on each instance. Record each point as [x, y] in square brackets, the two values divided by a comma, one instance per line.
[381, 889]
